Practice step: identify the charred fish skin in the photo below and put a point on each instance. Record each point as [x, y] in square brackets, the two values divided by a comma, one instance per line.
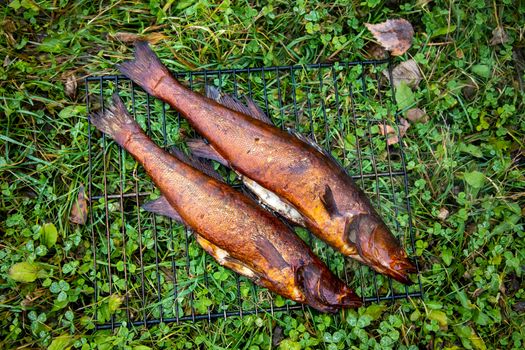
[229, 225]
[290, 167]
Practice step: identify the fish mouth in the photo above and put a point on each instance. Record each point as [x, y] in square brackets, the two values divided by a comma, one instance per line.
[382, 251]
[324, 291]
[349, 299]
[400, 270]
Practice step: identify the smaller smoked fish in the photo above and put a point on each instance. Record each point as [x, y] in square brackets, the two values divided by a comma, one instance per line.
[228, 225]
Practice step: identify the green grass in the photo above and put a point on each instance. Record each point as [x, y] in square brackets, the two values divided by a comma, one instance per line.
[468, 158]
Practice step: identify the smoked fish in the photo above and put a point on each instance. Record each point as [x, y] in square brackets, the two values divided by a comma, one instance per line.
[229, 225]
[312, 187]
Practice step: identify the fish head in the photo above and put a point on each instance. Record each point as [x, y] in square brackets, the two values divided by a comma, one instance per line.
[323, 290]
[379, 249]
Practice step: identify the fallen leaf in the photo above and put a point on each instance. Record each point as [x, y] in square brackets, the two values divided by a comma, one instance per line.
[7, 61]
[477, 292]
[407, 71]
[499, 36]
[469, 337]
[440, 317]
[404, 126]
[392, 140]
[519, 306]
[443, 214]
[154, 38]
[374, 311]
[392, 136]
[26, 272]
[61, 342]
[375, 51]
[126, 37]
[386, 129]
[416, 115]
[71, 86]
[469, 91]
[277, 336]
[79, 210]
[395, 35]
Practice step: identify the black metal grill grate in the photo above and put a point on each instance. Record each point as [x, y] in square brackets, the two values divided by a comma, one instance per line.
[150, 270]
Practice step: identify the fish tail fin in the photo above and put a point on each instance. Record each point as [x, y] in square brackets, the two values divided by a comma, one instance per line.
[145, 69]
[115, 121]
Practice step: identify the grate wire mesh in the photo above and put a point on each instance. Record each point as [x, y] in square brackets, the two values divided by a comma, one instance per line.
[152, 268]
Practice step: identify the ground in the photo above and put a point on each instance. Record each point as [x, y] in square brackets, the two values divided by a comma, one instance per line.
[465, 162]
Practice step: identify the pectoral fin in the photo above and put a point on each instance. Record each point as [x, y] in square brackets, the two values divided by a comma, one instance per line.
[199, 164]
[161, 206]
[201, 149]
[328, 201]
[268, 250]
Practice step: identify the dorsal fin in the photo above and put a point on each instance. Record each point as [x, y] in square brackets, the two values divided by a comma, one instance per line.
[201, 165]
[307, 140]
[315, 145]
[161, 206]
[256, 111]
[233, 103]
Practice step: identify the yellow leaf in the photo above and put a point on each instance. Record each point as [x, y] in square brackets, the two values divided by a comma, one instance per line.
[439, 316]
[25, 272]
[61, 342]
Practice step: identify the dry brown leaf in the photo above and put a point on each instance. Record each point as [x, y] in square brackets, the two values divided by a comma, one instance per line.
[443, 214]
[392, 140]
[519, 306]
[499, 36]
[126, 37]
[392, 136]
[79, 211]
[416, 115]
[404, 126]
[395, 35]
[469, 91]
[154, 38]
[375, 51]
[407, 71]
[386, 129]
[478, 292]
[71, 86]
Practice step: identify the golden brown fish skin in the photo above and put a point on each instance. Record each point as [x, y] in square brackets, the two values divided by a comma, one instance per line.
[283, 164]
[233, 222]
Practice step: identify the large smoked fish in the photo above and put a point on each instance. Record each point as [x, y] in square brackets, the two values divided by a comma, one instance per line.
[230, 226]
[316, 191]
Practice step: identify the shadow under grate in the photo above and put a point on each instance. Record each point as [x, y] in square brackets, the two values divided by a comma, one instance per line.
[148, 269]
